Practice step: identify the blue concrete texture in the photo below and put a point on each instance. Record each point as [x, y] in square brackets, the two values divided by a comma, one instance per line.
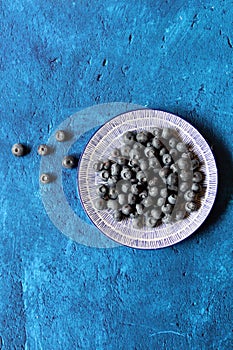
[56, 58]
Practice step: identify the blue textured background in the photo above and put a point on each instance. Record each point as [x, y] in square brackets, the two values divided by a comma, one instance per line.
[60, 56]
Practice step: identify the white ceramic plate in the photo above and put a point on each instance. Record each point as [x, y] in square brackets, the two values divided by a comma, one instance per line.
[108, 137]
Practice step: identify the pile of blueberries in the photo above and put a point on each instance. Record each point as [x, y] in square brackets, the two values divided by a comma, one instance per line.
[152, 178]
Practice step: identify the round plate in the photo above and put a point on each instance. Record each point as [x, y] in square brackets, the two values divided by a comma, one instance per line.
[108, 137]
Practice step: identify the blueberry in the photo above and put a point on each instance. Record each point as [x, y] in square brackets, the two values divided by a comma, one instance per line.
[141, 177]
[143, 194]
[150, 222]
[129, 137]
[164, 192]
[162, 151]
[153, 191]
[127, 209]
[133, 162]
[124, 186]
[144, 164]
[167, 219]
[136, 189]
[134, 154]
[161, 201]
[183, 164]
[138, 146]
[149, 152]
[131, 199]
[97, 166]
[166, 133]
[107, 164]
[18, 150]
[156, 143]
[174, 153]
[184, 186]
[181, 147]
[112, 181]
[190, 206]
[196, 187]
[142, 136]
[60, 136]
[154, 163]
[116, 152]
[163, 173]
[68, 162]
[180, 214]
[166, 159]
[157, 132]
[121, 160]
[194, 164]
[153, 182]
[117, 215]
[140, 208]
[100, 204]
[112, 204]
[104, 174]
[156, 213]
[43, 150]
[45, 178]
[115, 169]
[122, 198]
[173, 142]
[172, 199]
[102, 191]
[137, 223]
[167, 208]
[197, 177]
[172, 179]
[189, 195]
[174, 168]
[126, 174]
[186, 175]
[112, 193]
[187, 155]
[125, 149]
[148, 202]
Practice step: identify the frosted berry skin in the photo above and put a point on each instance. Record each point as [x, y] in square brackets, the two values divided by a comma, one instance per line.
[18, 150]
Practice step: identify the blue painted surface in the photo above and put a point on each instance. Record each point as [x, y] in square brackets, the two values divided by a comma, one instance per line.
[58, 57]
